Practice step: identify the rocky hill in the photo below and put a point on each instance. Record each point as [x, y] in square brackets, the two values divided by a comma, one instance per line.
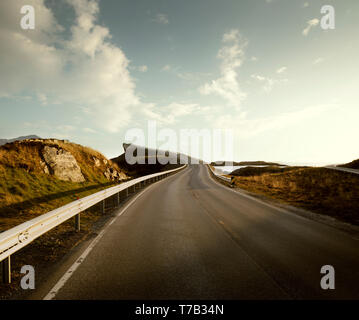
[151, 160]
[61, 159]
[37, 175]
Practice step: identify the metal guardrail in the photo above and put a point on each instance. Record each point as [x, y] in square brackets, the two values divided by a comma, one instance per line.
[219, 176]
[20, 236]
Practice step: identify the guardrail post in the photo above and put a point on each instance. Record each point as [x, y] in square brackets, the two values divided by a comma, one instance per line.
[78, 222]
[6, 270]
[118, 199]
[103, 206]
[127, 192]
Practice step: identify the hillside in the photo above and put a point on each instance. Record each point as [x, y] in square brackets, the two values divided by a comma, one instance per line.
[38, 175]
[148, 166]
[320, 190]
[251, 171]
[352, 165]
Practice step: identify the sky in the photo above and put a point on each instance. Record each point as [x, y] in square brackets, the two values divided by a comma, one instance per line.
[92, 70]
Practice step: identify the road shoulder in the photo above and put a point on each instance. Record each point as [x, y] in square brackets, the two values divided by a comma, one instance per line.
[348, 228]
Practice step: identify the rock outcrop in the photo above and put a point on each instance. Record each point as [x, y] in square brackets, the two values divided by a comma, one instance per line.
[114, 175]
[97, 162]
[62, 164]
[44, 167]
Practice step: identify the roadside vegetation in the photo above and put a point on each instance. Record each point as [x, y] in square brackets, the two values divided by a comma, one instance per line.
[321, 190]
[251, 171]
[26, 191]
[352, 165]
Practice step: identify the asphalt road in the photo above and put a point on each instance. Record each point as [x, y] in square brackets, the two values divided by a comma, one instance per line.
[188, 237]
[355, 171]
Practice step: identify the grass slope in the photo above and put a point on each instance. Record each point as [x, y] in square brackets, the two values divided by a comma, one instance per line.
[26, 191]
[250, 171]
[320, 190]
[353, 165]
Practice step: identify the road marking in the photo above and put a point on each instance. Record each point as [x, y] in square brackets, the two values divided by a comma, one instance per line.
[241, 194]
[301, 216]
[53, 292]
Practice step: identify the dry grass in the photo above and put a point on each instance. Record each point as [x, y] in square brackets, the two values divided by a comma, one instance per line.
[255, 171]
[26, 191]
[320, 190]
[353, 165]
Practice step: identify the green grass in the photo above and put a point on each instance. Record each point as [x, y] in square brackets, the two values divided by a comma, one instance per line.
[26, 195]
[26, 191]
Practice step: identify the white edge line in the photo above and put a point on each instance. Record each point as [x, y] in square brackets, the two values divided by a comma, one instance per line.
[53, 292]
[283, 210]
[240, 193]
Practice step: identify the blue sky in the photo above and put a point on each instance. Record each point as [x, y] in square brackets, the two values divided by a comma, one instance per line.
[266, 69]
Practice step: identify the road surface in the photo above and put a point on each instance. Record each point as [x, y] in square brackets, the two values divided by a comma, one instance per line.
[355, 171]
[189, 237]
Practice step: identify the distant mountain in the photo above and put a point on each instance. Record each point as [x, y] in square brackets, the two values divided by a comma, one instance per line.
[5, 141]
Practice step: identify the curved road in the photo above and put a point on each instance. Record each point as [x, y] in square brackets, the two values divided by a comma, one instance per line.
[188, 237]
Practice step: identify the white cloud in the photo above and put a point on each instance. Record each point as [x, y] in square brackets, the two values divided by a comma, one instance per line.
[231, 36]
[89, 130]
[85, 71]
[258, 77]
[167, 67]
[143, 68]
[268, 83]
[42, 98]
[172, 113]
[318, 60]
[310, 24]
[161, 18]
[247, 128]
[192, 76]
[232, 55]
[281, 70]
